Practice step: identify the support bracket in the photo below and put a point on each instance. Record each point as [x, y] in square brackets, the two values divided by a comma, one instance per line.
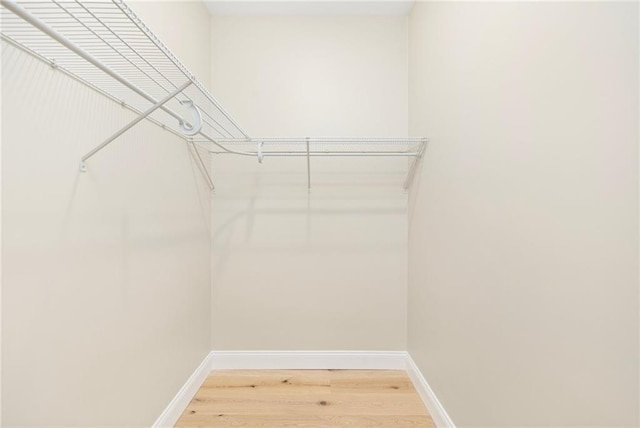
[308, 165]
[196, 126]
[414, 165]
[260, 154]
[134, 122]
[205, 171]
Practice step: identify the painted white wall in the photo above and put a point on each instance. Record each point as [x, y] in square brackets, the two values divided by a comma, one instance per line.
[523, 248]
[106, 275]
[325, 270]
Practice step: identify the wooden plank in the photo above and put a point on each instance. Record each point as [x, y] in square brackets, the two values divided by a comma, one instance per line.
[330, 403]
[372, 384]
[262, 380]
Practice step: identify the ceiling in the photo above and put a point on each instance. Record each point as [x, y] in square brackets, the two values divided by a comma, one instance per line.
[304, 7]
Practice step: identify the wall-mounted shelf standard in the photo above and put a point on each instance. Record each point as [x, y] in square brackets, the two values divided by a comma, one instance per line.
[104, 45]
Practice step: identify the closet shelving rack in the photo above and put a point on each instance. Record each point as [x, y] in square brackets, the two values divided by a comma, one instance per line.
[105, 46]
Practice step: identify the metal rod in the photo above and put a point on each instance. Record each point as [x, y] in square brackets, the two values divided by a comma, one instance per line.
[383, 140]
[202, 165]
[308, 166]
[224, 148]
[312, 154]
[131, 124]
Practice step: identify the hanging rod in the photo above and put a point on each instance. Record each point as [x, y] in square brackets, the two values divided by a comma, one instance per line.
[409, 147]
[331, 146]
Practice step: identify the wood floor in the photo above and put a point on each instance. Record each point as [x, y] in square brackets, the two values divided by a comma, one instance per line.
[306, 398]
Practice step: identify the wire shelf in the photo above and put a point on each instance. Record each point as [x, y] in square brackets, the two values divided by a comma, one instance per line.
[104, 45]
[110, 33]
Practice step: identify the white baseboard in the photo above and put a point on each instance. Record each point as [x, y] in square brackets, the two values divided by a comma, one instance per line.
[174, 410]
[435, 408]
[309, 360]
[305, 360]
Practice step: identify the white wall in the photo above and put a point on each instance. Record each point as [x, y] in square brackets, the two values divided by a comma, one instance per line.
[106, 275]
[319, 270]
[523, 249]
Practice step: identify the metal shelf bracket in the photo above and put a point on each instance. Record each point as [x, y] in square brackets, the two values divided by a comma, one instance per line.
[414, 165]
[196, 126]
[260, 154]
[131, 124]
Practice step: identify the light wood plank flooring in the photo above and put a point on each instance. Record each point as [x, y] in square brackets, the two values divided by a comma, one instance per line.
[306, 398]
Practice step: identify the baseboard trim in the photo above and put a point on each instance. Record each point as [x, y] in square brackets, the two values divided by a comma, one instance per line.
[436, 410]
[304, 360]
[309, 360]
[174, 410]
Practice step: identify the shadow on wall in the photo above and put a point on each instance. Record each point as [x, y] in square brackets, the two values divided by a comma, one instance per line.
[349, 201]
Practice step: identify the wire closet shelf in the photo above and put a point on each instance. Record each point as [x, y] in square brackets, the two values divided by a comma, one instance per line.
[105, 46]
